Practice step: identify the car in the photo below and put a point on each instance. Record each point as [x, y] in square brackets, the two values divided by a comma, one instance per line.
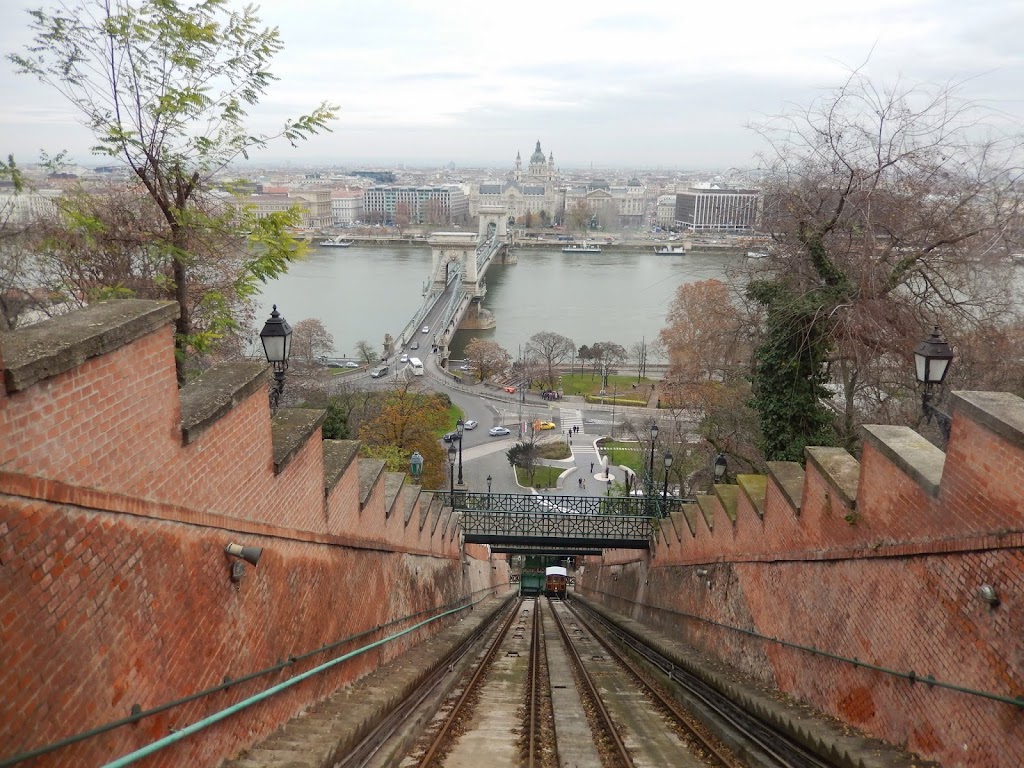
[547, 506]
[451, 437]
[404, 359]
[510, 390]
[466, 367]
[379, 372]
[414, 345]
[546, 425]
[425, 329]
[498, 431]
[351, 364]
[471, 424]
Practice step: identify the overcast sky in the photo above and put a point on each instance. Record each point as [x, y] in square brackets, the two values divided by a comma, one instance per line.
[661, 83]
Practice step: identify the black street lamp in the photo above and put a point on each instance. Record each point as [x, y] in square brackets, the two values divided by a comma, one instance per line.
[664, 488]
[649, 489]
[609, 493]
[488, 491]
[721, 468]
[460, 427]
[932, 358]
[451, 472]
[277, 346]
[416, 466]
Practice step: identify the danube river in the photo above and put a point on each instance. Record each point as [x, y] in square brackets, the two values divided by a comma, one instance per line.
[361, 293]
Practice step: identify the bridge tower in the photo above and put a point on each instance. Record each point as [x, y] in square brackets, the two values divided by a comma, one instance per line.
[496, 217]
[459, 249]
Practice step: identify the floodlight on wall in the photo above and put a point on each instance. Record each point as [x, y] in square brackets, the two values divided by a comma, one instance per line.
[242, 555]
[988, 593]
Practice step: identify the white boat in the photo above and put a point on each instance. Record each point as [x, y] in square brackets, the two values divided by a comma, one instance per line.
[582, 248]
[336, 242]
[756, 254]
[670, 250]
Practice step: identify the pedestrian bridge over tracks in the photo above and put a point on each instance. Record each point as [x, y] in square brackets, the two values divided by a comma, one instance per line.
[564, 525]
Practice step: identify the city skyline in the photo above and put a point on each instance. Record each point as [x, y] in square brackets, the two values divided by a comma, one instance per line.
[669, 88]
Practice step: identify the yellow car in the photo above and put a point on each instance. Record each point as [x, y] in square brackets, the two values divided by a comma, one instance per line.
[545, 425]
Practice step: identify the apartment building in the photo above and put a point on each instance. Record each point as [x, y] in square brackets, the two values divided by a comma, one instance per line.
[415, 205]
[726, 210]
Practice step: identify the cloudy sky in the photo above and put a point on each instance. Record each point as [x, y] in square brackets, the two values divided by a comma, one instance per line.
[661, 83]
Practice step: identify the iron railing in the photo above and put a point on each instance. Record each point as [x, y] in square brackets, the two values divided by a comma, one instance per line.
[625, 506]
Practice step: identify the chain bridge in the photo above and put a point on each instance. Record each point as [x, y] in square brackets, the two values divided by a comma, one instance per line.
[456, 285]
[569, 525]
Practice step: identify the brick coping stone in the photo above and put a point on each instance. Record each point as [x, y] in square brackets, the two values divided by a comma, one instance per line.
[322, 735]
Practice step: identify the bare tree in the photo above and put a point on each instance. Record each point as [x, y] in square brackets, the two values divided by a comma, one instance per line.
[890, 208]
[310, 340]
[551, 349]
[366, 352]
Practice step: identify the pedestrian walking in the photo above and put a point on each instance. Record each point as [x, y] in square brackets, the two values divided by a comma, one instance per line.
[591, 467]
[580, 483]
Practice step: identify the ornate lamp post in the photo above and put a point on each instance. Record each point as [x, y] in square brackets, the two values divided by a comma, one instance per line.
[416, 466]
[451, 473]
[649, 485]
[488, 491]
[721, 469]
[277, 346]
[460, 427]
[664, 488]
[609, 492]
[932, 358]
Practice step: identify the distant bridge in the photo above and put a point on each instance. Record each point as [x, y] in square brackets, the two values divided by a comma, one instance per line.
[458, 268]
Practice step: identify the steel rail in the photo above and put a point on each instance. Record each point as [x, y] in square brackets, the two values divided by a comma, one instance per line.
[388, 726]
[681, 718]
[534, 708]
[778, 745]
[442, 734]
[588, 682]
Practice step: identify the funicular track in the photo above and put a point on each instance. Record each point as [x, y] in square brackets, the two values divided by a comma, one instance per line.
[763, 745]
[606, 682]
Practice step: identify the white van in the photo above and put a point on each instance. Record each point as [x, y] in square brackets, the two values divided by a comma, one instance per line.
[417, 366]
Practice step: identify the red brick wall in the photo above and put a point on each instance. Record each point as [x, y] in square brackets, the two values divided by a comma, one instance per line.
[99, 611]
[114, 585]
[895, 585]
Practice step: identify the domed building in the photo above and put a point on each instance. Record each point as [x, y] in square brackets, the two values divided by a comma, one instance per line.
[536, 191]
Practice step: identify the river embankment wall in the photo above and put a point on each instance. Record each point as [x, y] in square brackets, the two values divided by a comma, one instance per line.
[119, 493]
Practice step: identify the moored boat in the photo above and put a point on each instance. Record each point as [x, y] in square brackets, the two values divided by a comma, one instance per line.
[670, 250]
[336, 242]
[582, 248]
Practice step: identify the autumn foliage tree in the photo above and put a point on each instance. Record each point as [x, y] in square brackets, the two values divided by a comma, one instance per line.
[409, 421]
[488, 357]
[708, 339]
[165, 88]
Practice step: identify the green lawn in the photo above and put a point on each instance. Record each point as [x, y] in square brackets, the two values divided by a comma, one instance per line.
[630, 455]
[585, 384]
[553, 451]
[543, 477]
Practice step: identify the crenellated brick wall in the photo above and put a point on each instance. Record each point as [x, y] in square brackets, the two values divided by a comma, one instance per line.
[118, 494]
[879, 561]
